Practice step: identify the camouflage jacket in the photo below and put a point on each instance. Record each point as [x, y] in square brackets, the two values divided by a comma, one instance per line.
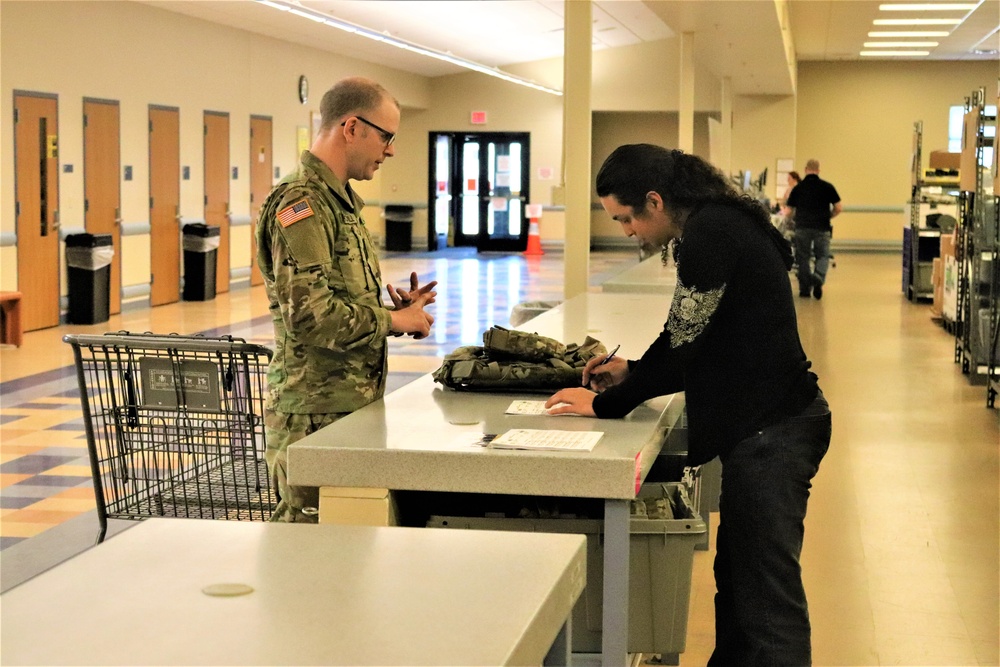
[324, 286]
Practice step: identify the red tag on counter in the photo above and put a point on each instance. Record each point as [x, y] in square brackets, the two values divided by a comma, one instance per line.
[638, 472]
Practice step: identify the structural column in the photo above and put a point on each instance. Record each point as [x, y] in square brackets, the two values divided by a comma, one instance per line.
[726, 135]
[577, 144]
[685, 120]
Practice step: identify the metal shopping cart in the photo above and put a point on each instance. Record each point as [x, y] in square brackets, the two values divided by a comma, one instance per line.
[174, 426]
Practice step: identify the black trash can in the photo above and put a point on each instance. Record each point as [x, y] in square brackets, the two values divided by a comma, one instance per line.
[201, 250]
[398, 227]
[88, 264]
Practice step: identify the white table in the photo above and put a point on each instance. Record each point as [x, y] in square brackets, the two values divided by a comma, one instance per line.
[647, 277]
[322, 595]
[407, 441]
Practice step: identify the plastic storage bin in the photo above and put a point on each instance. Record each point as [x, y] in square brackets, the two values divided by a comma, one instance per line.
[661, 555]
[201, 249]
[706, 480]
[88, 265]
[527, 310]
[398, 227]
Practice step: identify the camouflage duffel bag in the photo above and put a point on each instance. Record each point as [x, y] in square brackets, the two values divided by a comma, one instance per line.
[517, 361]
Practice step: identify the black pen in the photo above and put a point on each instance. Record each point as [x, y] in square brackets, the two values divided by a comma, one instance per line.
[612, 355]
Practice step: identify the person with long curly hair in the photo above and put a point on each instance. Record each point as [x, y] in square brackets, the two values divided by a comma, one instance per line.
[731, 343]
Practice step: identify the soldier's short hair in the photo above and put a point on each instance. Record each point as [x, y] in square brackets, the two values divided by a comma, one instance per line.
[353, 95]
[812, 165]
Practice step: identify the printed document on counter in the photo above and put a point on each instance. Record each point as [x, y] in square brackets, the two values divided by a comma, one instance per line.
[528, 408]
[547, 440]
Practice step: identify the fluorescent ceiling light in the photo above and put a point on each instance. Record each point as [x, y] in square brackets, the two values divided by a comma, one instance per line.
[892, 45]
[909, 33]
[895, 53]
[928, 7]
[917, 21]
[347, 26]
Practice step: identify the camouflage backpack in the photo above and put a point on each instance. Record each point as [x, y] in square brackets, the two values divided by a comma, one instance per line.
[517, 361]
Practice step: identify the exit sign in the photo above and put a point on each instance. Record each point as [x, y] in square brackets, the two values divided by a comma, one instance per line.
[479, 118]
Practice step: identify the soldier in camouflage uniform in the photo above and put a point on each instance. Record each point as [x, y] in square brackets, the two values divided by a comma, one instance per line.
[324, 285]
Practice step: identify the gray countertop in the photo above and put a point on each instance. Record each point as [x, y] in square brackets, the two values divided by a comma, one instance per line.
[421, 436]
[321, 595]
[647, 277]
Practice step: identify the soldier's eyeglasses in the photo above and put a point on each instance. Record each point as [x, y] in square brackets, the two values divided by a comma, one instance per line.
[387, 136]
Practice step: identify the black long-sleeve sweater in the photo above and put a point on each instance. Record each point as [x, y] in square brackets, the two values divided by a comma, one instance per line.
[731, 340]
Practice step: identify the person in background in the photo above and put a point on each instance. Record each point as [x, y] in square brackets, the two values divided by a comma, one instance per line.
[787, 220]
[813, 203]
[792, 180]
[323, 282]
[731, 343]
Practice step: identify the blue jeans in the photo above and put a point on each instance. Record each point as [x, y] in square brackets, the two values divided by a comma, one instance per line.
[810, 244]
[761, 616]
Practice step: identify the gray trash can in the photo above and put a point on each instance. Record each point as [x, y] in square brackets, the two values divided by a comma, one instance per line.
[661, 560]
[88, 264]
[398, 227]
[201, 249]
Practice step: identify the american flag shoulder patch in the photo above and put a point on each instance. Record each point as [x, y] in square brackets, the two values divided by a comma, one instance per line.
[297, 211]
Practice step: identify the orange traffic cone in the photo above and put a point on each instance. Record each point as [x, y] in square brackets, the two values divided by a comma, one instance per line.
[534, 239]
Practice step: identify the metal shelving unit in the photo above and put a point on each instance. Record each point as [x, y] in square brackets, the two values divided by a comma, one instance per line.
[974, 249]
[993, 368]
[921, 242]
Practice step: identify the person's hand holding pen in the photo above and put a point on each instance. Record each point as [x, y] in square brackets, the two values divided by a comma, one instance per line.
[599, 373]
[603, 372]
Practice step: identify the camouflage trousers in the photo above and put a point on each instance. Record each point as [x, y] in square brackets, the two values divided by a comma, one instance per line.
[298, 504]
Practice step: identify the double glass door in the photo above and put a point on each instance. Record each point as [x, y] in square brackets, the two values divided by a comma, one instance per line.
[479, 190]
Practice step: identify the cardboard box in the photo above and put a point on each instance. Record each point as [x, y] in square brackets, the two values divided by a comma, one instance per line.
[355, 506]
[947, 245]
[944, 160]
[937, 281]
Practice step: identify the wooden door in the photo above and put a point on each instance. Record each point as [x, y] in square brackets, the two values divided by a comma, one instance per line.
[260, 183]
[164, 204]
[217, 189]
[36, 176]
[101, 187]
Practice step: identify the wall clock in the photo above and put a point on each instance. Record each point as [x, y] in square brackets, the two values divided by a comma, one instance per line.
[303, 89]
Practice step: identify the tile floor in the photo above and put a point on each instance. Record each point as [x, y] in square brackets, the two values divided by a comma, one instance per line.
[901, 554]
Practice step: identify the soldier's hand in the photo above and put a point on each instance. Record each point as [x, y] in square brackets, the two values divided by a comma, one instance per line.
[403, 299]
[413, 320]
[573, 401]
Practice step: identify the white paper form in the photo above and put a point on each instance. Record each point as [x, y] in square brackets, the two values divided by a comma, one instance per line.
[547, 440]
[526, 408]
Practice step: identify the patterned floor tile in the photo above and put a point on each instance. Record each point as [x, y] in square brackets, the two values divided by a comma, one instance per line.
[59, 504]
[34, 516]
[34, 464]
[15, 503]
[24, 529]
[10, 480]
[55, 480]
[10, 541]
[79, 468]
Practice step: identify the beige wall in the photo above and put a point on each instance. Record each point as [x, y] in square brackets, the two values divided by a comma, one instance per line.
[857, 119]
[141, 55]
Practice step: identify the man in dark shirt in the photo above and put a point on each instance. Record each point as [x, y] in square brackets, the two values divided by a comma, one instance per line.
[731, 343]
[813, 203]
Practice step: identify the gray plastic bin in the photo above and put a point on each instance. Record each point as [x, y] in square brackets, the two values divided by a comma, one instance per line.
[706, 479]
[527, 310]
[661, 557]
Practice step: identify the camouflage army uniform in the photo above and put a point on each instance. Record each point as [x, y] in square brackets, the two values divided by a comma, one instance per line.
[323, 282]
